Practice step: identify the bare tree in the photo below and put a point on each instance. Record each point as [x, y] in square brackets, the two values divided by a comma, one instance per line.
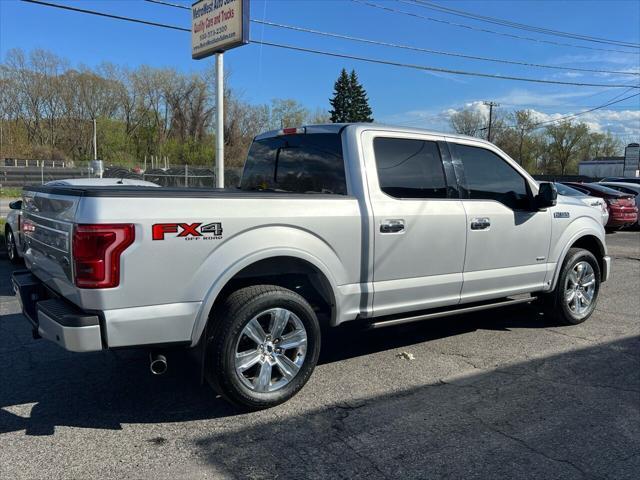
[467, 122]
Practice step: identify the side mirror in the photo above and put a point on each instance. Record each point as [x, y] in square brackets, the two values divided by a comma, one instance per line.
[547, 196]
[17, 205]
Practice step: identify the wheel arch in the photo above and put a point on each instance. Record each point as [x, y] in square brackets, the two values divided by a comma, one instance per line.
[283, 267]
[587, 240]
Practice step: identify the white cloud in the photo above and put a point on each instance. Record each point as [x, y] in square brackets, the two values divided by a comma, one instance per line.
[524, 97]
[624, 123]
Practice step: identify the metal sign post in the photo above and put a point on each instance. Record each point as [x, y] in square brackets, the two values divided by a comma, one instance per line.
[220, 120]
[218, 26]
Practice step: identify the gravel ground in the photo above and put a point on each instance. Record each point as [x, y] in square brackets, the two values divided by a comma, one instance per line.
[502, 394]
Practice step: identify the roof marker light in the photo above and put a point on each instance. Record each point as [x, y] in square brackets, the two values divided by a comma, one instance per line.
[292, 131]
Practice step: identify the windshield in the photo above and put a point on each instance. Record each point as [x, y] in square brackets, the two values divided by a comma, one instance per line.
[568, 191]
[602, 189]
[301, 163]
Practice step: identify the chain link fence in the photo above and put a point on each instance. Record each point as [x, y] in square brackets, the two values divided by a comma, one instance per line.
[13, 178]
[183, 176]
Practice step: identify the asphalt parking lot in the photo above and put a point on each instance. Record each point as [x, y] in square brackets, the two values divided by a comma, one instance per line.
[503, 394]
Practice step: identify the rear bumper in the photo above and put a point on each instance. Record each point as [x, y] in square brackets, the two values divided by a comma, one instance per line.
[622, 217]
[606, 270]
[54, 318]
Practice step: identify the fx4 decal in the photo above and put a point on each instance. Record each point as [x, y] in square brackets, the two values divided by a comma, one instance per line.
[188, 231]
[561, 215]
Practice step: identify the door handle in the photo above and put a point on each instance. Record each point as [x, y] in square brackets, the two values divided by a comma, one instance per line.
[481, 223]
[392, 226]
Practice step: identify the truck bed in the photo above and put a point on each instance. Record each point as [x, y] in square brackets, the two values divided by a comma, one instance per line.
[169, 192]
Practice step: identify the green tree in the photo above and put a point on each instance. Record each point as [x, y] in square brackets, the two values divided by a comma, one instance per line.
[349, 102]
[565, 142]
[286, 112]
[519, 139]
[360, 109]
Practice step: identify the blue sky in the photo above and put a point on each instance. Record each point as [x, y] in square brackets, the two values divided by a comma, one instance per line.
[397, 95]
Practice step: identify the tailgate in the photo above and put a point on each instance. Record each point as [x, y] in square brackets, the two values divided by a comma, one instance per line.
[47, 227]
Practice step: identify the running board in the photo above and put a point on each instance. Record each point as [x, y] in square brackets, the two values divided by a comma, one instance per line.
[445, 313]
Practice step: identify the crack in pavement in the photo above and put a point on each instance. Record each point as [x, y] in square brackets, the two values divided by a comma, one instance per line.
[525, 444]
[338, 425]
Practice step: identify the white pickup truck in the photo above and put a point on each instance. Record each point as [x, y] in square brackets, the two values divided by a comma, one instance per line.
[330, 224]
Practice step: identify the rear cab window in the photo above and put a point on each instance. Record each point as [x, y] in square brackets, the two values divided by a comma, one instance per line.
[300, 163]
[409, 168]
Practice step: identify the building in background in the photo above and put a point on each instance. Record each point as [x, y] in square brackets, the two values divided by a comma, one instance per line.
[600, 167]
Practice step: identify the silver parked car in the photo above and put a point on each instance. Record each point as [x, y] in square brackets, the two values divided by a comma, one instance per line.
[12, 237]
[331, 224]
[598, 203]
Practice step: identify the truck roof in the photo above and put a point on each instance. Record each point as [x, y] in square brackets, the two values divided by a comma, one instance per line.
[337, 127]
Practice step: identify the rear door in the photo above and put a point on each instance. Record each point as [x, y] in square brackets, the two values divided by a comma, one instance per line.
[507, 241]
[419, 222]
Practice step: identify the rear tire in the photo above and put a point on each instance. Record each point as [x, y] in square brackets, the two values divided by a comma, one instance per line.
[264, 346]
[575, 297]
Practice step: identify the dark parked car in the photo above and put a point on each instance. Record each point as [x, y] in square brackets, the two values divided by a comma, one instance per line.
[622, 206]
[621, 179]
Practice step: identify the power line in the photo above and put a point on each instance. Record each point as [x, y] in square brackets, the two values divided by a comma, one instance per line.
[521, 26]
[612, 101]
[435, 52]
[485, 30]
[169, 4]
[442, 70]
[107, 15]
[347, 56]
[567, 117]
[408, 47]
[497, 21]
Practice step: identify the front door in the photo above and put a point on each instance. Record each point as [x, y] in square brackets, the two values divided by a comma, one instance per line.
[507, 241]
[419, 229]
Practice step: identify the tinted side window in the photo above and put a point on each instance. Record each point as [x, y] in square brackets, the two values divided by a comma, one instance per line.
[409, 168]
[305, 163]
[489, 177]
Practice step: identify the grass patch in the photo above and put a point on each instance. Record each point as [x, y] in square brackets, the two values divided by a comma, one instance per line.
[11, 192]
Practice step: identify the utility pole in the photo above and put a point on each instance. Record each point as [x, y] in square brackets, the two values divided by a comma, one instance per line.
[490, 105]
[95, 141]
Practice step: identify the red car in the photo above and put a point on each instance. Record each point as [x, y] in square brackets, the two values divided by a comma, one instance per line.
[622, 206]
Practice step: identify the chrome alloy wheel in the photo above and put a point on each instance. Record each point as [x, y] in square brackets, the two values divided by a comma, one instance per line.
[580, 287]
[11, 245]
[270, 350]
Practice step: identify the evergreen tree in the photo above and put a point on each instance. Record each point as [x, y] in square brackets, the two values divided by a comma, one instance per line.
[360, 109]
[349, 102]
[341, 101]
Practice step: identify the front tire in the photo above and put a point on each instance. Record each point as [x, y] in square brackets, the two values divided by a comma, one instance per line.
[574, 299]
[264, 347]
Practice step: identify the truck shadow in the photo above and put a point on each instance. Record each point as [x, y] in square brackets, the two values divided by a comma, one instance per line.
[352, 340]
[43, 386]
[573, 415]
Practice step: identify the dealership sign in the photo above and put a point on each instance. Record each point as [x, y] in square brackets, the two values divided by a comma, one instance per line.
[218, 25]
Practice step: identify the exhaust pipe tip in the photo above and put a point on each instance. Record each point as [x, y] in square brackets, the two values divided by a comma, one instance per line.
[157, 363]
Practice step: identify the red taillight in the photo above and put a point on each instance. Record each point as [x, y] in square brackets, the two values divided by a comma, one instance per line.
[96, 253]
